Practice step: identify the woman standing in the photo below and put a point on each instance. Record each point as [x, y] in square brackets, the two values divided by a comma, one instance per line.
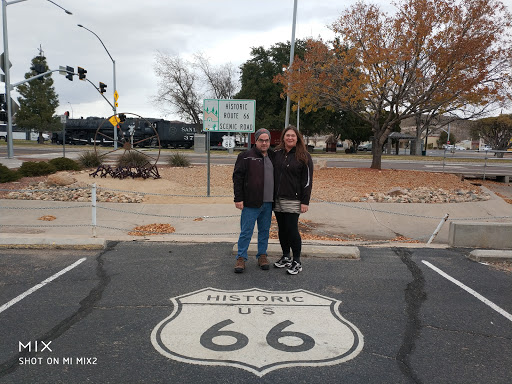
[293, 177]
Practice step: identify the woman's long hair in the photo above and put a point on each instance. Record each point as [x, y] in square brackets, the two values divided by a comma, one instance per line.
[301, 152]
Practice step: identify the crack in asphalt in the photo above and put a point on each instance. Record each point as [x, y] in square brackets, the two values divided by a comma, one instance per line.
[415, 295]
[86, 307]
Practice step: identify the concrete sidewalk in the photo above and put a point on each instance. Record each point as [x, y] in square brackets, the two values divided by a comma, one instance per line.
[348, 225]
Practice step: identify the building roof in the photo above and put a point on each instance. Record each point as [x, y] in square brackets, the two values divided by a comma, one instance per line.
[399, 135]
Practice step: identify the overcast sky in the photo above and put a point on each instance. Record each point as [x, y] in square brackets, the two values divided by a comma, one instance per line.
[133, 31]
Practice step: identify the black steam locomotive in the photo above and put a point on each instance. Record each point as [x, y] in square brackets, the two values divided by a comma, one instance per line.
[140, 132]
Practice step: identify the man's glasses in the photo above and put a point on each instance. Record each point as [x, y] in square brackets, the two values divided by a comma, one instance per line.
[263, 141]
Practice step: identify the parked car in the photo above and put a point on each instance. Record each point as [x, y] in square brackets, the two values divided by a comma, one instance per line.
[485, 148]
[459, 148]
[365, 147]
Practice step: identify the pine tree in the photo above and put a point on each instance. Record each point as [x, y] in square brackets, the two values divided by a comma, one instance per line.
[38, 101]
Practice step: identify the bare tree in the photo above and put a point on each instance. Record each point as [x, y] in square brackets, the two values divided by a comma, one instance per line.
[183, 85]
[178, 87]
[221, 82]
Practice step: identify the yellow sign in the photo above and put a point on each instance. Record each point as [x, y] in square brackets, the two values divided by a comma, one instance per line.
[114, 120]
[116, 95]
[116, 104]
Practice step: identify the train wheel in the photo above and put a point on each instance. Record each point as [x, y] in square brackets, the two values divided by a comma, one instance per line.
[132, 132]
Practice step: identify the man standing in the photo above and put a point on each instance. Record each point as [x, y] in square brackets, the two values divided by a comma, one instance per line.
[253, 184]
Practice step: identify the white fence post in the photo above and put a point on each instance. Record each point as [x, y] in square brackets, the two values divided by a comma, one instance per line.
[443, 220]
[93, 213]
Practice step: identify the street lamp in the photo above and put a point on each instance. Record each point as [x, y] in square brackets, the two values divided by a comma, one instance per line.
[71, 109]
[292, 49]
[6, 65]
[114, 70]
[447, 143]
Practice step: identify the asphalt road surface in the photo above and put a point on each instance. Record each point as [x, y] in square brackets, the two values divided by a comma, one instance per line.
[489, 168]
[176, 313]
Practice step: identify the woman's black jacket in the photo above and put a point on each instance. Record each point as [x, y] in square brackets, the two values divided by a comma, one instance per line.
[292, 178]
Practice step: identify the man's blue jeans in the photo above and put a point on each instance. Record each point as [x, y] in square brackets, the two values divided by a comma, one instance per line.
[250, 216]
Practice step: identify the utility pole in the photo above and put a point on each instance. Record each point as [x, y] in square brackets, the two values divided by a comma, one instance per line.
[292, 53]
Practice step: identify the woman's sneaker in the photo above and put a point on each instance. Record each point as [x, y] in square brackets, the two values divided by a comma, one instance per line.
[285, 261]
[295, 268]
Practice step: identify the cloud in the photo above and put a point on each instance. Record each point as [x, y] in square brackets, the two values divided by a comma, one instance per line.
[133, 31]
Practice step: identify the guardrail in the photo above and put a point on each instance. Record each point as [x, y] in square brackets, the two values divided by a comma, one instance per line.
[496, 163]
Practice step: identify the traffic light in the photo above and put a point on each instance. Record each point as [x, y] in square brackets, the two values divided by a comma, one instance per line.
[81, 73]
[70, 72]
[3, 107]
[66, 114]
[122, 117]
[102, 87]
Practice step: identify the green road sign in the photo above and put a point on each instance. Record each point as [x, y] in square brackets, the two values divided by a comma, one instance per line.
[229, 115]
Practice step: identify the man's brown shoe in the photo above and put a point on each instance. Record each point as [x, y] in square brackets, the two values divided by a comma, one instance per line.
[263, 262]
[240, 265]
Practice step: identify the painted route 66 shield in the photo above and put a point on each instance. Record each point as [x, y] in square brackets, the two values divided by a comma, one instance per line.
[257, 330]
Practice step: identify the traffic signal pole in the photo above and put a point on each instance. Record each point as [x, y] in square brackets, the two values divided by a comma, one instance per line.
[99, 91]
[34, 77]
[7, 64]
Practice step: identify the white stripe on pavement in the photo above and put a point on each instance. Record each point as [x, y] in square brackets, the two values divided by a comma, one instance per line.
[40, 285]
[469, 290]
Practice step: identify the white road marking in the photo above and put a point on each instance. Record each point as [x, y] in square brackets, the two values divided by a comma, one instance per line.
[257, 330]
[40, 285]
[471, 291]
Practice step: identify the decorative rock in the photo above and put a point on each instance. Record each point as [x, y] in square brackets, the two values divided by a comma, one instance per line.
[397, 191]
[61, 179]
[424, 195]
[74, 192]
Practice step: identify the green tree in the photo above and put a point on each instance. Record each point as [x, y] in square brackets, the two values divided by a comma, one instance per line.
[256, 78]
[495, 131]
[443, 139]
[38, 102]
[354, 128]
[257, 83]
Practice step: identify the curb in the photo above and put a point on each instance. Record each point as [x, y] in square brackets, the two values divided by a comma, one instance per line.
[482, 255]
[62, 242]
[308, 250]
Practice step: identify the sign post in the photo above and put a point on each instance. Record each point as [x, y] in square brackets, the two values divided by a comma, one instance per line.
[227, 115]
[63, 120]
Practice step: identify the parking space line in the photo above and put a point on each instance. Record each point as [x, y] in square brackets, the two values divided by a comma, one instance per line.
[471, 291]
[40, 285]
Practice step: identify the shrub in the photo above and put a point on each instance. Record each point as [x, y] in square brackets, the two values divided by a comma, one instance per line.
[90, 159]
[7, 175]
[133, 159]
[33, 168]
[179, 160]
[65, 164]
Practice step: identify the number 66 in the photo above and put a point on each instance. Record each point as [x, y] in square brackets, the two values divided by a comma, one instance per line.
[273, 336]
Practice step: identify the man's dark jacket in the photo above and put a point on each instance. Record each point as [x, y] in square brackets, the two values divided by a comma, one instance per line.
[248, 177]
